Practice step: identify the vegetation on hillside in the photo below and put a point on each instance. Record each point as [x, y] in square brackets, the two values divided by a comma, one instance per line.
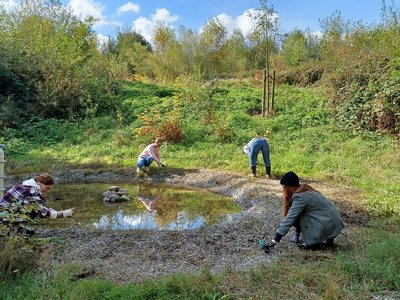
[52, 65]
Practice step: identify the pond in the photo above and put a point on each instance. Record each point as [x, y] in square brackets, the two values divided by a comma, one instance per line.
[151, 207]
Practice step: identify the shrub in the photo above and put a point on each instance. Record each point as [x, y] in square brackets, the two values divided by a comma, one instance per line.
[156, 125]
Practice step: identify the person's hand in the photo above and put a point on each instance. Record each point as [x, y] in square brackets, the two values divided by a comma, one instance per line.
[268, 247]
[162, 165]
[68, 212]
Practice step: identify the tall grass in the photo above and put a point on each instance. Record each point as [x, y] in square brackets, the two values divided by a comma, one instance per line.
[67, 283]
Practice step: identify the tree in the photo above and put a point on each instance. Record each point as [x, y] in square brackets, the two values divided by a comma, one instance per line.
[300, 47]
[264, 35]
[169, 61]
[54, 55]
[213, 41]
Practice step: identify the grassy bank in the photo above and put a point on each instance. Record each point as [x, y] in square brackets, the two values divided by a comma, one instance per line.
[215, 123]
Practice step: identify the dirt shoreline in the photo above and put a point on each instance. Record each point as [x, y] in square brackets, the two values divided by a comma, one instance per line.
[132, 256]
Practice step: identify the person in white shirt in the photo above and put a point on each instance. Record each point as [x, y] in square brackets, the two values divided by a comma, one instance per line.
[149, 154]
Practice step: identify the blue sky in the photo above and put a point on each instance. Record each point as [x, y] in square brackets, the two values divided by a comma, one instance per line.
[144, 14]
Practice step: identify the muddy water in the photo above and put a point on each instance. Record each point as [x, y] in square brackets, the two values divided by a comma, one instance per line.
[150, 207]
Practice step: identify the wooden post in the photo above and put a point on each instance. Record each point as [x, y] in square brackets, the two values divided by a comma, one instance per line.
[264, 93]
[268, 91]
[273, 93]
[2, 162]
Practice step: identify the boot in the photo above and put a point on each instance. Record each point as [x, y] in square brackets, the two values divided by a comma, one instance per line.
[268, 171]
[253, 170]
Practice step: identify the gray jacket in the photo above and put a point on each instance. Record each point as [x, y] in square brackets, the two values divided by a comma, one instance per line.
[318, 217]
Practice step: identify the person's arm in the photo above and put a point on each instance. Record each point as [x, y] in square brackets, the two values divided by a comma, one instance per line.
[44, 212]
[294, 212]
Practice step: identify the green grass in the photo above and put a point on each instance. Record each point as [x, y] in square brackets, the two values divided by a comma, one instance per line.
[66, 284]
[304, 138]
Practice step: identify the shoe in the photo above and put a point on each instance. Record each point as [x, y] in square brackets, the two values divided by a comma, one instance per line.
[309, 247]
[253, 170]
[268, 171]
[295, 238]
[328, 242]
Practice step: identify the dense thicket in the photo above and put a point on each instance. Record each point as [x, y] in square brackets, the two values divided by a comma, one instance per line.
[51, 65]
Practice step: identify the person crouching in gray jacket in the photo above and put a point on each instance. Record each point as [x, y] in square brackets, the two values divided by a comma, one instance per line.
[310, 212]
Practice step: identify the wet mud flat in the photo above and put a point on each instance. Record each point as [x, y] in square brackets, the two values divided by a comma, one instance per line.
[136, 255]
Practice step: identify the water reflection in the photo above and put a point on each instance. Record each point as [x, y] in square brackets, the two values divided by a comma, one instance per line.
[149, 199]
[151, 207]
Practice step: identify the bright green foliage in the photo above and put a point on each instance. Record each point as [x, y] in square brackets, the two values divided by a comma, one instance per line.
[49, 56]
[264, 35]
[213, 43]
[127, 56]
[299, 48]
[362, 62]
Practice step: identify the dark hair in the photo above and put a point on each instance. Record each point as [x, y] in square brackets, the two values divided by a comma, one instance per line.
[46, 179]
[290, 179]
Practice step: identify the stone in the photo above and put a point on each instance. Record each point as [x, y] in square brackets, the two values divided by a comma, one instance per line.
[125, 198]
[122, 192]
[107, 194]
[114, 188]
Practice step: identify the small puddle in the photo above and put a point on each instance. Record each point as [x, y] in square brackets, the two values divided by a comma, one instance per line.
[150, 207]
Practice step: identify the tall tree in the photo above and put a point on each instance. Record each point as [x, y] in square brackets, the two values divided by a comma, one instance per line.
[213, 42]
[265, 33]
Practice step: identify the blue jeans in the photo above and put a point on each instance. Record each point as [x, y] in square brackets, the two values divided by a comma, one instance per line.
[144, 161]
[256, 146]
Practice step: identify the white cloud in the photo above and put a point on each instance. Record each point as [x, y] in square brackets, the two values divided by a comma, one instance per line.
[317, 34]
[128, 7]
[245, 23]
[225, 19]
[102, 39]
[146, 26]
[242, 22]
[9, 4]
[87, 8]
[163, 15]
